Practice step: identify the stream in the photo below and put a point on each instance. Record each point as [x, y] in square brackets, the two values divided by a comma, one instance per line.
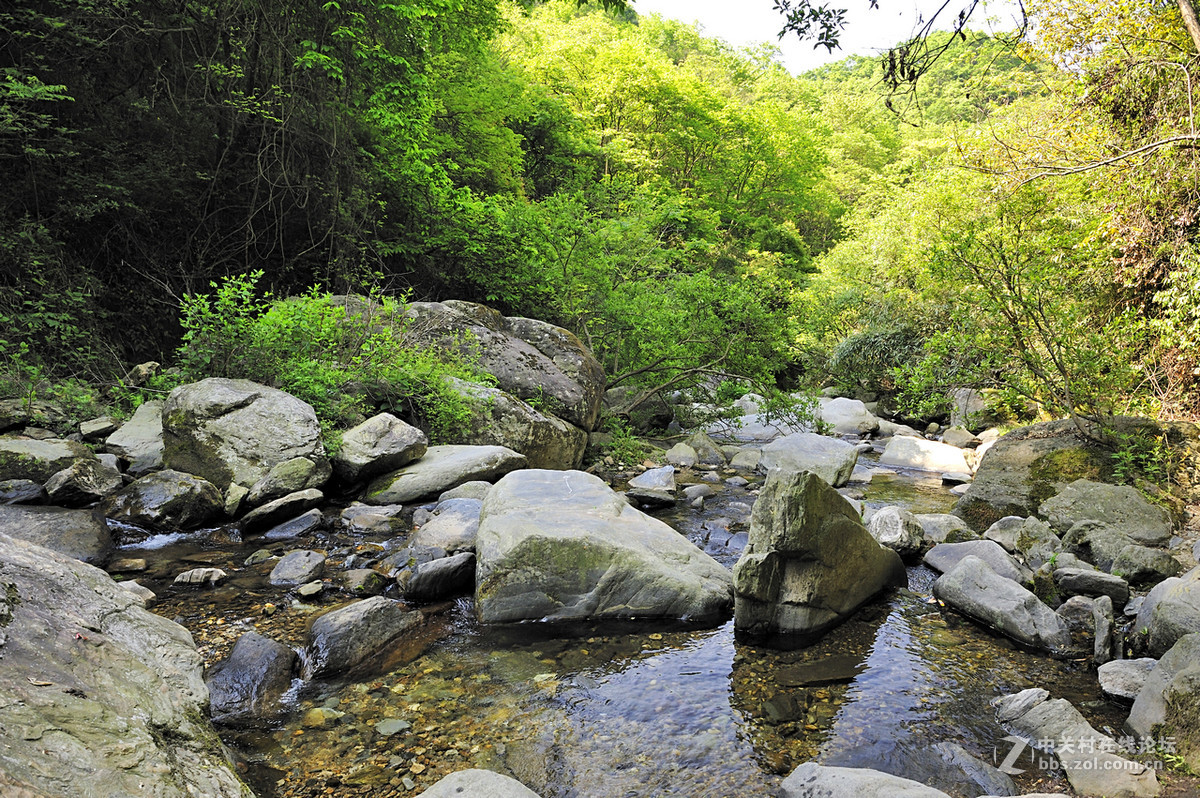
[645, 710]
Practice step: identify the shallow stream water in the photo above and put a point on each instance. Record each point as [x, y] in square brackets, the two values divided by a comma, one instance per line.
[632, 711]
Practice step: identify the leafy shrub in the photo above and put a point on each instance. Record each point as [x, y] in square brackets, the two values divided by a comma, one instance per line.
[344, 356]
[868, 359]
[1142, 456]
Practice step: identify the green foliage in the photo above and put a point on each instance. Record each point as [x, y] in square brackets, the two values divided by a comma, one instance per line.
[869, 359]
[624, 447]
[1140, 456]
[344, 356]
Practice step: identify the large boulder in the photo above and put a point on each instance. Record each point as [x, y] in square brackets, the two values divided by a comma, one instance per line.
[442, 468]
[500, 419]
[38, 460]
[1168, 704]
[353, 637]
[1170, 611]
[100, 697]
[86, 481]
[1086, 755]
[897, 529]
[1026, 467]
[248, 685]
[904, 451]
[530, 359]
[166, 500]
[848, 416]
[654, 487]
[811, 780]
[139, 441]
[809, 562]
[380, 444]
[555, 545]
[974, 589]
[829, 458]
[1120, 507]
[233, 432]
[82, 534]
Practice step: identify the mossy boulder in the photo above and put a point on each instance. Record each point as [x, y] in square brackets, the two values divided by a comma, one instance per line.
[234, 432]
[38, 460]
[1028, 466]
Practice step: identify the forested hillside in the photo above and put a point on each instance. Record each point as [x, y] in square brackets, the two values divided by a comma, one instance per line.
[1025, 221]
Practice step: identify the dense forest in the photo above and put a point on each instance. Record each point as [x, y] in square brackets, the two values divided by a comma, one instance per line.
[1024, 220]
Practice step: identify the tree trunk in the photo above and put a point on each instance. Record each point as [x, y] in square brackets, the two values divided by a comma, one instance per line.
[1188, 9]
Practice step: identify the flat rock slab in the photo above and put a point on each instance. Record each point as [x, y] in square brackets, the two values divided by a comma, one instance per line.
[100, 696]
[945, 556]
[477, 783]
[139, 441]
[297, 568]
[831, 459]
[906, 452]
[38, 460]
[82, 534]
[562, 545]
[443, 468]
[811, 780]
[837, 669]
[1123, 679]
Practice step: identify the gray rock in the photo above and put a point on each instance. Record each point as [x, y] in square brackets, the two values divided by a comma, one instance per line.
[890, 429]
[1082, 582]
[166, 500]
[477, 783]
[973, 773]
[530, 359]
[1026, 467]
[969, 409]
[363, 582]
[38, 460]
[939, 526]
[747, 460]
[139, 441]
[365, 519]
[236, 431]
[21, 491]
[706, 449]
[558, 545]
[698, 491]
[440, 578]
[1006, 532]
[82, 483]
[974, 589]
[310, 590]
[349, 638]
[956, 478]
[1142, 565]
[304, 524]
[1119, 507]
[286, 478]
[944, 556]
[246, 687]
[829, 458]
[452, 526]
[380, 444]
[809, 561]
[907, 452]
[811, 780]
[476, 489]
[297, 568]
[898, 530]
[1038, 543]
[97, 428]
[276, 512]
[655, 487]
[100, 696]
[1166, 706]
[497, 418]
[1084, 753]
[1123, 679]
[960, 437]
[1107, 639]
[201, 576]
[82, 534]
[848, 416]
[682, 456]
[442, 468]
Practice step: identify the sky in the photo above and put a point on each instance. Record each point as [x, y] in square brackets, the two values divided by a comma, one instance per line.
[867, 32]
